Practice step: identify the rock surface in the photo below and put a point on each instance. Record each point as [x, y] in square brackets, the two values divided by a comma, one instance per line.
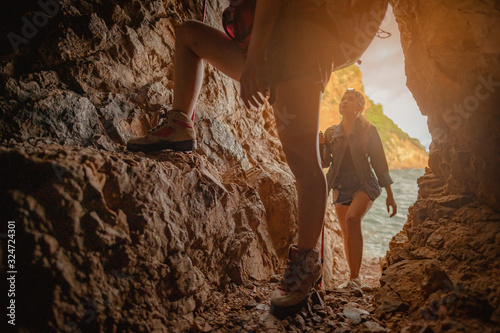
[442, 269]
[448, 251]
[246, 309]
[452, 64]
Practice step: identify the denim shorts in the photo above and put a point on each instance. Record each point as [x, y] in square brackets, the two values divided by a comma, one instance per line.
[346, 186]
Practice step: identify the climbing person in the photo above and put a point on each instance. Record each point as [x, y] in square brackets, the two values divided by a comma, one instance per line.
[288, 57]
[350, 150]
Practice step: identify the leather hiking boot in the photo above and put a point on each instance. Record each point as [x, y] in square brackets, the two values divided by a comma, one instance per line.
[303, 272]
[176, 133]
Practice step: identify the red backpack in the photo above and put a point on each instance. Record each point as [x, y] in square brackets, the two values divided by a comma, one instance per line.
[237, 20]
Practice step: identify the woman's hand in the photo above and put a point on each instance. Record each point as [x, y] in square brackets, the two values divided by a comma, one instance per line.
[253, 80]
[390, 202]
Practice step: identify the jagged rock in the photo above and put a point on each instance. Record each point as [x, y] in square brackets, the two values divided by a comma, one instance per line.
[251, 304]
[449, 229]
[373, 327]
[391, 303]
[354, 314]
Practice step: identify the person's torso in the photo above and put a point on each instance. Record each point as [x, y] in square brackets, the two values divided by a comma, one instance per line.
[349, 154]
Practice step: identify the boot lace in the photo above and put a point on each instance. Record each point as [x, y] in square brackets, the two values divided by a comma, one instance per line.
[163, 120]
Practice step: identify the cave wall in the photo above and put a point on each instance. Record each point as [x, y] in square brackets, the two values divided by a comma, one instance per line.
[452, 65]
[442, 268]
[113, 240]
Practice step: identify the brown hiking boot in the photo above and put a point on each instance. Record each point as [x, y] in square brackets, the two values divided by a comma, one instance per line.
[301, 275]
[176, 133]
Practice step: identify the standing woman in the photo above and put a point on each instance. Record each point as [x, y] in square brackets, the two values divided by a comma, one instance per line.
[351, 149]
[293, 47]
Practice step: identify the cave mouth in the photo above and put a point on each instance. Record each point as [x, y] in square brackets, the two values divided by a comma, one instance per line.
[403, 129]
[385, 55]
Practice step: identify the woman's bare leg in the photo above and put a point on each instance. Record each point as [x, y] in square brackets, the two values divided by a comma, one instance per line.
[341, 213]
[361, 203]
[195, 42]
[296, 112]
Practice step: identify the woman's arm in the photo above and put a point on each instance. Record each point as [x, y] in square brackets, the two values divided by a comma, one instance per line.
[379, 163]
[325, 148]
[321, 140]
[253, 79]
[377, 158]
[390, 202]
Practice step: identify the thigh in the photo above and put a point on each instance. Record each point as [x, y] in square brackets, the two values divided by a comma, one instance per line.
[296, 111]
[341, 211]
[300, 46]
[360, 205]
[214, 46]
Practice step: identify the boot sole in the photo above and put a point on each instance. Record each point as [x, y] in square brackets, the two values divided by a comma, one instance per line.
[299, 303]
[281, 312]
[187, 145]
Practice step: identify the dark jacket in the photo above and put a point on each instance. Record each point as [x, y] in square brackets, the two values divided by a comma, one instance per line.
[366, 149]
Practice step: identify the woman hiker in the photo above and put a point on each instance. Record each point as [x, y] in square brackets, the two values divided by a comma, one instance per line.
[293, 48]
[351, 149]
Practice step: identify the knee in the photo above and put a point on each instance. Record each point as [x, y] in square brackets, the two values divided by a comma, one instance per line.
[186, 31]
[353, 222]
[307, 170]
[303, 161]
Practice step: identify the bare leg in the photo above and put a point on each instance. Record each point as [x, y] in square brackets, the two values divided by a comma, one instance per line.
[296, 111]
[341, 213]
[196, 41]
[361, 203]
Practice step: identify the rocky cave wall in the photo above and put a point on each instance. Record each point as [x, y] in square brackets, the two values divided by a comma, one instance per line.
[135, 240]
[442, 268]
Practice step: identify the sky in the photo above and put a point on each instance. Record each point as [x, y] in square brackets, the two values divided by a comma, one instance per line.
[385, 82]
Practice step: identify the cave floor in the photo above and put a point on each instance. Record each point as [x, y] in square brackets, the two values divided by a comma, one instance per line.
[245, 308]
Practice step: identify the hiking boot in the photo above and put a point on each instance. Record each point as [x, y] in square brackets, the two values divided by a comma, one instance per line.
[303, 272]
[176, 132]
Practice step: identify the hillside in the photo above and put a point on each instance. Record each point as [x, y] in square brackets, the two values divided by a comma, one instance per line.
[402, 151]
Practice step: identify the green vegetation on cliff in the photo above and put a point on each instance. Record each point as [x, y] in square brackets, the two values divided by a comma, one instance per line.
[387, 127]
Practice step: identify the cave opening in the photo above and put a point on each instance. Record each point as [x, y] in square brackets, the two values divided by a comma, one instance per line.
[402, 127]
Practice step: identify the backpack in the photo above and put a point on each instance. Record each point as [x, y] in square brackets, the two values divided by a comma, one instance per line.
[354, 23]
[237, 20]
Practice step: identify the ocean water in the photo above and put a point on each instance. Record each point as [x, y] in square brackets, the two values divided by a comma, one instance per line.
[378, 228]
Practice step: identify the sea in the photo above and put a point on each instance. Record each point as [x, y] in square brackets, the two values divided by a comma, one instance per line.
[378, 229]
